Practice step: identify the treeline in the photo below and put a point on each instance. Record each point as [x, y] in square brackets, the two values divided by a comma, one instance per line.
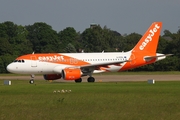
[16, 40]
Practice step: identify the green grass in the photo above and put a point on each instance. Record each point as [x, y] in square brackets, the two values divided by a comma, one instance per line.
[90, 101]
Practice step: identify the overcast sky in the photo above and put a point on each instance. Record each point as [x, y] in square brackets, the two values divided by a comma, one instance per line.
[123, 16]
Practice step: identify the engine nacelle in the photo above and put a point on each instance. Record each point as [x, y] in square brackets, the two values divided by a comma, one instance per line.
[52, 76]
[71, 73]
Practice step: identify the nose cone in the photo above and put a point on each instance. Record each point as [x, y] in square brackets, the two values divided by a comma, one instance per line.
[10, 68]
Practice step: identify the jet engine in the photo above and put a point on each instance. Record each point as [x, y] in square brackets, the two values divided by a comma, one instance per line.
[52, 76]
[71, 73]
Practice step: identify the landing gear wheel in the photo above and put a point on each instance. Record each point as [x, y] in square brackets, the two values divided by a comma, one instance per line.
[78, 80]
[31, 81]
[91, 79]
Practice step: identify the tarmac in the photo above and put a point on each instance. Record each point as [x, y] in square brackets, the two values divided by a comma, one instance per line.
[106, 78]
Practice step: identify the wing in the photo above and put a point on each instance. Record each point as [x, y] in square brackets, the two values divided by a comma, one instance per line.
[88, 69]
[104, 64]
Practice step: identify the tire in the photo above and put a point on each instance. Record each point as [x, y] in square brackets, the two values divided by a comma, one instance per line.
[78, 80]
[91, 79]
[31, 81]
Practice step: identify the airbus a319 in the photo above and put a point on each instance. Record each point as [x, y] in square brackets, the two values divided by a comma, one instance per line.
[73, 66]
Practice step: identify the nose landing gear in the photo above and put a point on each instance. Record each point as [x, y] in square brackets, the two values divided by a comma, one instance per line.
[31, 81]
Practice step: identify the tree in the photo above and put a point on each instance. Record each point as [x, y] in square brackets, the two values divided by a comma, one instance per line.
[114, 40]
[5, 47]
[11, 31]
[167, 33]
[97, 39]
[70, 48]
[162, 45]
[68, 37]
[13, 39]
[131, 40]
[43, 37]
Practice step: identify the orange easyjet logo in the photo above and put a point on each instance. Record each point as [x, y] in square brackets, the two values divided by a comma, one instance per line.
[149, 37]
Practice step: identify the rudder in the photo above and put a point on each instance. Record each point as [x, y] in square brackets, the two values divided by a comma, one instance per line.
[150, 39]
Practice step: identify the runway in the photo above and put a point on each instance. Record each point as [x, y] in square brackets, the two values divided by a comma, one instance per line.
[106, 78]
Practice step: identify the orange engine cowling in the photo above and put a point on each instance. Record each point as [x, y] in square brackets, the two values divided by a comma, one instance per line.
[52, 76]
[71, 73]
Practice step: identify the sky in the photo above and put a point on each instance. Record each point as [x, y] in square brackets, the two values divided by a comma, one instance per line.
[123, 16]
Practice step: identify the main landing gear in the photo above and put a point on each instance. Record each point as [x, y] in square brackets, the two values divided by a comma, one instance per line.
[31, 81]
[89, 79]
[78, 80]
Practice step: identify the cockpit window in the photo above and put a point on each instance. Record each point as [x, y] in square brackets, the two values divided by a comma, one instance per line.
[19, 61]
[15, 60]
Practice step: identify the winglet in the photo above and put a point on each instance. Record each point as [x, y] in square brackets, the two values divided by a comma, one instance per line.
[149, 40]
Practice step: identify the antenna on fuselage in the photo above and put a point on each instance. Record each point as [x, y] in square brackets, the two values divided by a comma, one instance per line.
[33, 53]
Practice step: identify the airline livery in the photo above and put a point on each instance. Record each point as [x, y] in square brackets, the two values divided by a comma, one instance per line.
[73, 66]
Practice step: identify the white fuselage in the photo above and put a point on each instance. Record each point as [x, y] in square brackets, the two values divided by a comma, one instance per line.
[47, 65]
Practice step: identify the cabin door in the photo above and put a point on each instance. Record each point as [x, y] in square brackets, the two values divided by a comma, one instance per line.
[33, 61]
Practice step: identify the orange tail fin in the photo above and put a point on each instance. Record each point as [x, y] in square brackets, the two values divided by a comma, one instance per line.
[149, 40]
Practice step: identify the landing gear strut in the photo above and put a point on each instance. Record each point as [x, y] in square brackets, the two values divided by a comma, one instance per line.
[31, 81]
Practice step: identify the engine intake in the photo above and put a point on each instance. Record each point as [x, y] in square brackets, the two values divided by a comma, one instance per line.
[71, 73]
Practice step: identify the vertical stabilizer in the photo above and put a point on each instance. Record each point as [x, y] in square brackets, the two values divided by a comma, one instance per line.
[149, 41]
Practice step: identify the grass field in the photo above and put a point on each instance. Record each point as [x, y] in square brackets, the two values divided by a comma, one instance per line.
[90, 101]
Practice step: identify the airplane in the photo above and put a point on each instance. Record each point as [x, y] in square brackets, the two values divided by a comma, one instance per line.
[73, 66]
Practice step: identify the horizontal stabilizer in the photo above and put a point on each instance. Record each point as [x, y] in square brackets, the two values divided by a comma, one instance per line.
[158, 57]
